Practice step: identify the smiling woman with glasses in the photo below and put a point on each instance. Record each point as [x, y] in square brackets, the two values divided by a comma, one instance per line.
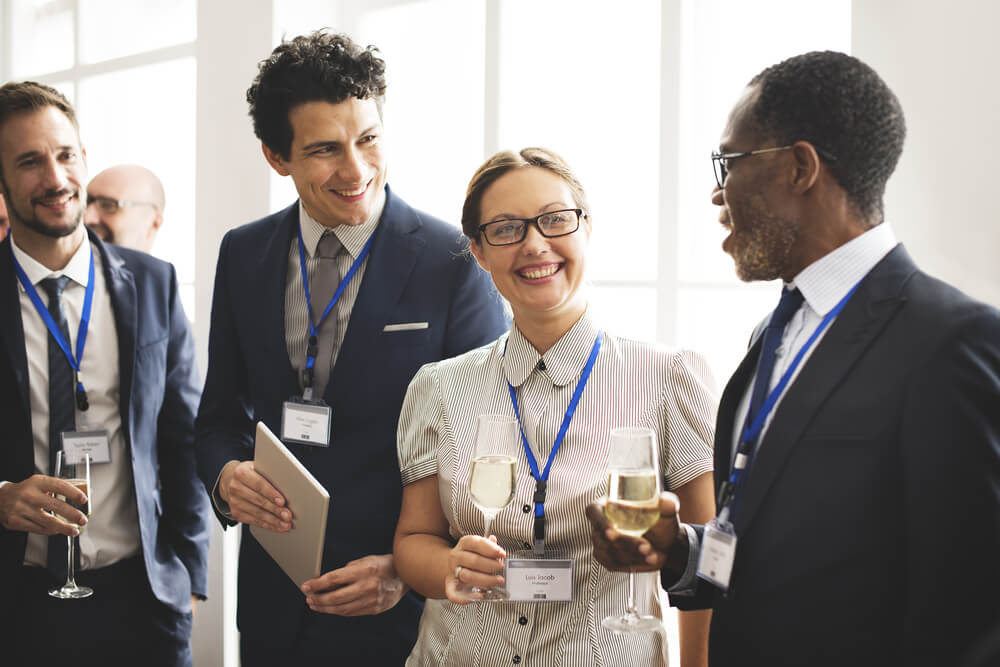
[567, 382]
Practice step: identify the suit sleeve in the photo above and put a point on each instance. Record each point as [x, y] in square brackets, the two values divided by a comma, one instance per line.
[477, 314]
[224, 427]
[950, 458]
[185, 504]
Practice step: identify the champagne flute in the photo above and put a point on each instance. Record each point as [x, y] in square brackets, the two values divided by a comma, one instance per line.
[79, 476]
[492, 483]
[633, 506]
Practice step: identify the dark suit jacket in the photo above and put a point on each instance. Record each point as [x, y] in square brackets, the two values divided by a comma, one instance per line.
[159, 394]
[869, 528]
[416, 273]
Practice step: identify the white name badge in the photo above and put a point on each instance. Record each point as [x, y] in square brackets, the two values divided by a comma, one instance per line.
[539, 579]
[718, 551]
[306, 423]
[78, 443]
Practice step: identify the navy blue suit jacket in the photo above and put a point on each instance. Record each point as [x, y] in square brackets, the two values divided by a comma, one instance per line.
[417, 272]
[869, 528]
[159, 394]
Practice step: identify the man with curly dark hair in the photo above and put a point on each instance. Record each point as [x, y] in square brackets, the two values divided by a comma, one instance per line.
[857, 449]
[322, 314]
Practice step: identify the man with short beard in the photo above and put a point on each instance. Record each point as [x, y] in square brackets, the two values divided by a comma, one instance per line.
[857, 450]
[97, 357]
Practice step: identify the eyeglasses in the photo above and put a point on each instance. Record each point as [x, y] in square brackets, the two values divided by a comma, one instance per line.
[109, 206]
[550, 224]
[720, 161]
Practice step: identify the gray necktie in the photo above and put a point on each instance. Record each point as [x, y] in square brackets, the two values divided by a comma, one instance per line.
[62, 414]
[326, 279]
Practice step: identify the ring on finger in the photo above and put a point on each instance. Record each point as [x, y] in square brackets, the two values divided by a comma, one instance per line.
[458, 572]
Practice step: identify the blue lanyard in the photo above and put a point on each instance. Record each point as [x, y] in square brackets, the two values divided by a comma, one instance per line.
[542, 478]
[313, 348]
[754, 424]
[56, 332]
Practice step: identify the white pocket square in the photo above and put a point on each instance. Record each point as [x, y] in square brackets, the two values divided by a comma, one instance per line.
[405, 326]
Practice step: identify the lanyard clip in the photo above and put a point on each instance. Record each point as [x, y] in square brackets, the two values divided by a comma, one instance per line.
[539, 498]
[539, 535]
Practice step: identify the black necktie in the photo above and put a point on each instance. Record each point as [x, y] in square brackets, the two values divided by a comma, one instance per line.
[62, 414]
[789, 303]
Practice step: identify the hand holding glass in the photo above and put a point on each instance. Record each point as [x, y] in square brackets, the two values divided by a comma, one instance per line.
[492, 474]
[633, 506]
[79, 476]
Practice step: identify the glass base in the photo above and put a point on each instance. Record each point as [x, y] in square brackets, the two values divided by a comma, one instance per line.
[632, 623]
[494, 594]
[71, 592]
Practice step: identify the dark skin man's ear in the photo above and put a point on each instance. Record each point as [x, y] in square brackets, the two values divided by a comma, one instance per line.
[807, 166]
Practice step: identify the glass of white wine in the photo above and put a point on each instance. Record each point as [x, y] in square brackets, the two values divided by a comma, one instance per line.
[492, 475]
[633, 506]
[79, 476]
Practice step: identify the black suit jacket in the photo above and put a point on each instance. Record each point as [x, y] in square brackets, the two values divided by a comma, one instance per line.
[417, 272]
[869, 528]
[159, 394]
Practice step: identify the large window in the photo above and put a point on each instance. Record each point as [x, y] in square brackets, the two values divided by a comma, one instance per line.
[129, 69]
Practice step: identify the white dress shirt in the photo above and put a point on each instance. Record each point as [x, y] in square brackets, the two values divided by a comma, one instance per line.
[112, 532]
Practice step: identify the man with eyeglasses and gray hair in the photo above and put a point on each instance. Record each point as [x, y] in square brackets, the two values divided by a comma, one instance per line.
[125, 206]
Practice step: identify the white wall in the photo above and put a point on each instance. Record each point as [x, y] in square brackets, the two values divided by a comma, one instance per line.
[941, 61]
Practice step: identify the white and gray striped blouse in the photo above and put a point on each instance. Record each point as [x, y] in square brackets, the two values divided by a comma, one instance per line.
[632, 384]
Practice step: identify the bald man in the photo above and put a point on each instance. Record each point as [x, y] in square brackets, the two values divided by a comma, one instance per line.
[125, 206]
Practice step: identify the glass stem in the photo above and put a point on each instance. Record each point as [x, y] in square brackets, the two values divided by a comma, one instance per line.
[487, 523]
[70, 573]
[632, 611]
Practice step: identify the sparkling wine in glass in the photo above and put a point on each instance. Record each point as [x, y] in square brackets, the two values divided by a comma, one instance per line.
[633, 506]
[492, 474]
[79, 476]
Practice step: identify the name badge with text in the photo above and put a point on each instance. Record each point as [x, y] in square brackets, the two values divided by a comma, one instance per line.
[718, 551]
[86, 441]
[306, 423]
[539, 579]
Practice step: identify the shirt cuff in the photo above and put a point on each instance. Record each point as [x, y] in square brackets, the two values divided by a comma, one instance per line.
[3, 483]
[221, 506]
[688, 582]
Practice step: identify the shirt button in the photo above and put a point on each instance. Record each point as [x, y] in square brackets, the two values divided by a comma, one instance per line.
[526, 509]
[523, 620]
[517, 660]
[541, 364]
[527, 545]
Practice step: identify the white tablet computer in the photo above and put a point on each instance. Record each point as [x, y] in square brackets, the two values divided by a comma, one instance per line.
[299, 551]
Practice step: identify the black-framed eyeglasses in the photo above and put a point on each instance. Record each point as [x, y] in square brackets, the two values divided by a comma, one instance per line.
[550, 224]
[720, 161]
[109, 206]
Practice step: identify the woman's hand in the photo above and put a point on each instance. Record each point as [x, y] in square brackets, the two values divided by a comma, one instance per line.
[475, 561]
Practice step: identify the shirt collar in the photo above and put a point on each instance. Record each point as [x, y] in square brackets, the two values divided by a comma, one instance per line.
[78, 268]
[827, 280]
[352, 237]
[563, 362]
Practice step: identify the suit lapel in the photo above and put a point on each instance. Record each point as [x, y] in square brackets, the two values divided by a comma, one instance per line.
[725, 422]
[272, 278]
[854, 330]
[393, 256]
[122, 291]
[11, 326]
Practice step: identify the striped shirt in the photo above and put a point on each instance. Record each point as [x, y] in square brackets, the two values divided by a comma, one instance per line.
[632, 384]
[353, 238]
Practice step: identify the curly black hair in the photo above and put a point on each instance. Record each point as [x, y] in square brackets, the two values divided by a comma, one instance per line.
[322, 67]
[841, 106]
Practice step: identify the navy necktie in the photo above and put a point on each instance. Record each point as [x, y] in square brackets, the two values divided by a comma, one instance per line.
[789, 303]
[62, 409]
